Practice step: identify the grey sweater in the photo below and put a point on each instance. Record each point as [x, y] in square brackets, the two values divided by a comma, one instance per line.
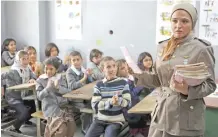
[13, 78]
[7, 59]
[51, 97]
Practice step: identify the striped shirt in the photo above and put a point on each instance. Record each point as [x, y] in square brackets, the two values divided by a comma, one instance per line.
[102, 99]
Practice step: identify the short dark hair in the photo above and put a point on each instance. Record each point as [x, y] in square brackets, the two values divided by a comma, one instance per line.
[6, 42]
[107, 58]
[26, 48]
[75, 53]
[95, 53]
[140, 60]
[54, 61]
[48, 48]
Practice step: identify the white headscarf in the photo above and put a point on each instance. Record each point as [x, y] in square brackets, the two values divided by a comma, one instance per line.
[23, 72]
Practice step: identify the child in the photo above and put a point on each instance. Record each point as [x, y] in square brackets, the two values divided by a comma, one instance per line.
[145, 63]
[35, 66]
[136, 122]
[95, 58]
[50, 87]
[19, 74]
[77, 77]
[8, 52]
[52, 50]
[110, 96]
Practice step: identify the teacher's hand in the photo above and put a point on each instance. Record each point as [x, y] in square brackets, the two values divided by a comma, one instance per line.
[179, 87]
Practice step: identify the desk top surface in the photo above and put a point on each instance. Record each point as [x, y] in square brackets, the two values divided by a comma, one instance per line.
[145, 106]
[84, 93]
[22, 86]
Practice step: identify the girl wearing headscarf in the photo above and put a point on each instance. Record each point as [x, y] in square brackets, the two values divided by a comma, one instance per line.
[19, 74]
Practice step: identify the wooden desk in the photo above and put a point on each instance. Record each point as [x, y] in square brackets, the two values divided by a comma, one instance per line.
[30, 86]
[5, 69]
[145, 106]
[83, 93]
[23, 86]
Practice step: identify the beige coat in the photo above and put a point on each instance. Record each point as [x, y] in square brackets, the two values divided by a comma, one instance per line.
[177, 114]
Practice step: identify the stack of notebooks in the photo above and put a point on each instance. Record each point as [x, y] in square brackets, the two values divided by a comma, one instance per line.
[192, 74]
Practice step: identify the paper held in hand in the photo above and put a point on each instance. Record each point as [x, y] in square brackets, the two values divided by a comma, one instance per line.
[130, 61]
[192, 74]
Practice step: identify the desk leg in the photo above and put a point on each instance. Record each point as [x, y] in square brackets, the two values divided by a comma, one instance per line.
[38, 128]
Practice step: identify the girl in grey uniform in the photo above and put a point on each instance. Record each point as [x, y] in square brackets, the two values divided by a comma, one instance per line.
[180, 108]
[52, 50]
[50, 87]
[19, 74]
[8, 52]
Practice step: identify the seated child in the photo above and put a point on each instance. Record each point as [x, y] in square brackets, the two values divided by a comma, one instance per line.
[52, 50]
[19, 74]
[35, 66]
[137, 123]
[110, 96]
[145, 63]
[77, 77]
[50, 87]
[8, 52]
[95, 59]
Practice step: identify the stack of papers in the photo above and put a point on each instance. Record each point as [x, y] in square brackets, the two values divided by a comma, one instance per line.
[192, 74]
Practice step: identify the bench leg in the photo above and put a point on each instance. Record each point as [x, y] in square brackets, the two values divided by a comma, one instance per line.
[37, 119]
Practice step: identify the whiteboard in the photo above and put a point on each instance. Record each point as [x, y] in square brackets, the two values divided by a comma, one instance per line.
[208, 21]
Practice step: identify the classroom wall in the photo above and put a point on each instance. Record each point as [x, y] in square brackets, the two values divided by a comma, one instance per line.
[133, 22]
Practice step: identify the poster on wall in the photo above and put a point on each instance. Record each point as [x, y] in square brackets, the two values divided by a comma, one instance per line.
[208, 21]
[68, 19]
[164, 7]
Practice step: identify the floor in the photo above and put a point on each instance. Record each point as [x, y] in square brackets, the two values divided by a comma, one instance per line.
[31, 130]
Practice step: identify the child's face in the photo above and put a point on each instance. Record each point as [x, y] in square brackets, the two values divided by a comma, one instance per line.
[11, 47]
[32, 55]
[76, 61]
[24, 61]
[50, 70]
[123, 70]
[147, 62]
[97, 60]
[54, 52]
[110, 69]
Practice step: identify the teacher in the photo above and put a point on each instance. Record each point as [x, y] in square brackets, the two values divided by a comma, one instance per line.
[180, 108]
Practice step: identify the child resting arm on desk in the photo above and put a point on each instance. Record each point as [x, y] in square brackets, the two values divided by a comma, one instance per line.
[19, 74]
[50, 87]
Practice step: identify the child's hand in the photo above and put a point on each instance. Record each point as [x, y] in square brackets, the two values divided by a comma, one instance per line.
[50, 84]
[31, 81]
[115, 100]
[89, 72]
[56, 84]
[66, 59]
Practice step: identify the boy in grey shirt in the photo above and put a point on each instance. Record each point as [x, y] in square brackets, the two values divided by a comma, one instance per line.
[77, 77]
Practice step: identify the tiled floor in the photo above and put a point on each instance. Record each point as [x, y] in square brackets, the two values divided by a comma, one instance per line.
[31, 130]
